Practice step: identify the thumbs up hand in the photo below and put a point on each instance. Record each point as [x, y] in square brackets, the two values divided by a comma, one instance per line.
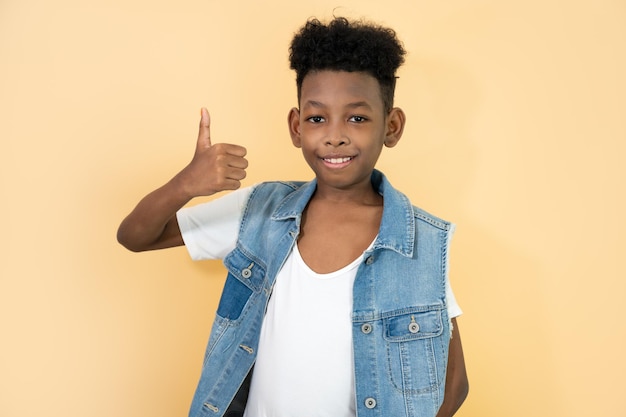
[214, 167]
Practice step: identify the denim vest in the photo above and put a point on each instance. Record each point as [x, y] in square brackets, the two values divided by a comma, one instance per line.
[400, 330]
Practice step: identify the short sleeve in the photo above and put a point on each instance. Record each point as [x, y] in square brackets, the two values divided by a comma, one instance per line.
[210, 230]
[454, 310]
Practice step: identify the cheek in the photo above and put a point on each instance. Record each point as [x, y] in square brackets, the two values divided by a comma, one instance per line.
[306, 148]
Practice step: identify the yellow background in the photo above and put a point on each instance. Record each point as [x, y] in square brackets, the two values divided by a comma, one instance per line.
[516, 131]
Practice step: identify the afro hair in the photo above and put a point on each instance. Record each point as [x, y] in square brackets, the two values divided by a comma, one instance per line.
[353, 46]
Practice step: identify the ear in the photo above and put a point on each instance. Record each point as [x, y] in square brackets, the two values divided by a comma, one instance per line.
[293, 119]
[394, 127]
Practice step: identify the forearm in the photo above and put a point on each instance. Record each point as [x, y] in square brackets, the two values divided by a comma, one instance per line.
[457, 385]
[152, 223]
[454, 398]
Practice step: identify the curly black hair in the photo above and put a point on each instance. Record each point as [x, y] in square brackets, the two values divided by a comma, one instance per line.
[344, 45]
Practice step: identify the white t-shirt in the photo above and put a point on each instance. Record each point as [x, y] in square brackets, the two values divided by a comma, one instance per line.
[304, 361]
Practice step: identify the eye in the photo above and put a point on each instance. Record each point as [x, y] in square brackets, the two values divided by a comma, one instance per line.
[357, 119]
[316, 119]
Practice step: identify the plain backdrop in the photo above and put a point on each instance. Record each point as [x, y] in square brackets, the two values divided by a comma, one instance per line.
[516, 132]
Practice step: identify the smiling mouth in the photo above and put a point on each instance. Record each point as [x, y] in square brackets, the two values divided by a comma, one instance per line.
[337, 160]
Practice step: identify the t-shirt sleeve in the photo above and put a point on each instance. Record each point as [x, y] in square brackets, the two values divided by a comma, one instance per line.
[210, 230]
[454, 310]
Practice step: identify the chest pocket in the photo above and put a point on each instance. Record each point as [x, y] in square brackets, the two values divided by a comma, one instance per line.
[415, 349]
[245, 277]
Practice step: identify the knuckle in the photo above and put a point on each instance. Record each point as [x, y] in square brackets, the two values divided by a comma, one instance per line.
[220, 158]
[219, 148]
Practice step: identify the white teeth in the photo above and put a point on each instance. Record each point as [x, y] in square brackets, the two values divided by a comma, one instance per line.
[337, 160]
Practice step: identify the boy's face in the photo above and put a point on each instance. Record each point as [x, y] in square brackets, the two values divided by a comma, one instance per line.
[341, 126]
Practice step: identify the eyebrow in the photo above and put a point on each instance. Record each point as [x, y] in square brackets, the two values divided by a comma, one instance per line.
[320, 105]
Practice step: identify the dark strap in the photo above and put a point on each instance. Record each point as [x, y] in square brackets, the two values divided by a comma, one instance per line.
[238, 406]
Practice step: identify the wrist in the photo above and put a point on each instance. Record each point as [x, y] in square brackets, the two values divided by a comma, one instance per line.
[180, 189]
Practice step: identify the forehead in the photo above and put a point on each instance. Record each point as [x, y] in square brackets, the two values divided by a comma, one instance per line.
[340, 87]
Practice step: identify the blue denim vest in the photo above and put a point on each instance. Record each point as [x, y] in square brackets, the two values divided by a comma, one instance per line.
[401, 328]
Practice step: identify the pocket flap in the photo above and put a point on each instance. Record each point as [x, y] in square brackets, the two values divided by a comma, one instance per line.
[249, 271]
[415, 325]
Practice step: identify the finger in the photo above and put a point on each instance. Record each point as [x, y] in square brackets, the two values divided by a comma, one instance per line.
[236, 150]
[231, 185]
[239, 163]
[230, 149]
[204, 131]
[228, 163]
[235, 174]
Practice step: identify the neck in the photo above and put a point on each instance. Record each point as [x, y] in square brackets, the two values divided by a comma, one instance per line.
[363, 194]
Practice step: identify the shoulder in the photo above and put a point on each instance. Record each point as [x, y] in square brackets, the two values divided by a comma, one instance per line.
[272, 191]
[279, 198]
[398, 204]
[284, 186]
[424, 216]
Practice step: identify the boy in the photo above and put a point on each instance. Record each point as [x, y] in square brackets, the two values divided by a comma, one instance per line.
[337, 301]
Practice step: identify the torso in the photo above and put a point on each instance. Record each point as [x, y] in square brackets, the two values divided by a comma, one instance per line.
[334, 234]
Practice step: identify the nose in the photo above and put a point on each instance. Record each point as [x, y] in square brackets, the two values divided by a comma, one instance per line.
[336, 136]
[336, 141]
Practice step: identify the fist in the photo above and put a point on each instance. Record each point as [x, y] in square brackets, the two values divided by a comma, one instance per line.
[214, 167]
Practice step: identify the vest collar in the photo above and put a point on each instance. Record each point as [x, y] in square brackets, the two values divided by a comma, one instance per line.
[397, 227]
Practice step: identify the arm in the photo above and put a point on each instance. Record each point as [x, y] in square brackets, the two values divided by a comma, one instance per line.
[152, 224]
[457, 386]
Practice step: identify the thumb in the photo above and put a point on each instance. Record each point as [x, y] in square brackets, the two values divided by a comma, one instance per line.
[204, 131]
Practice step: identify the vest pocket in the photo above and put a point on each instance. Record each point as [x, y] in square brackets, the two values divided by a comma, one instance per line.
[415, 350]
[234, 297]
[245, 276]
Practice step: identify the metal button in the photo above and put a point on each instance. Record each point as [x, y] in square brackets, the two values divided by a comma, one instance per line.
[413, 326]
[370, 403]
[247, 273]
[366, 328]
